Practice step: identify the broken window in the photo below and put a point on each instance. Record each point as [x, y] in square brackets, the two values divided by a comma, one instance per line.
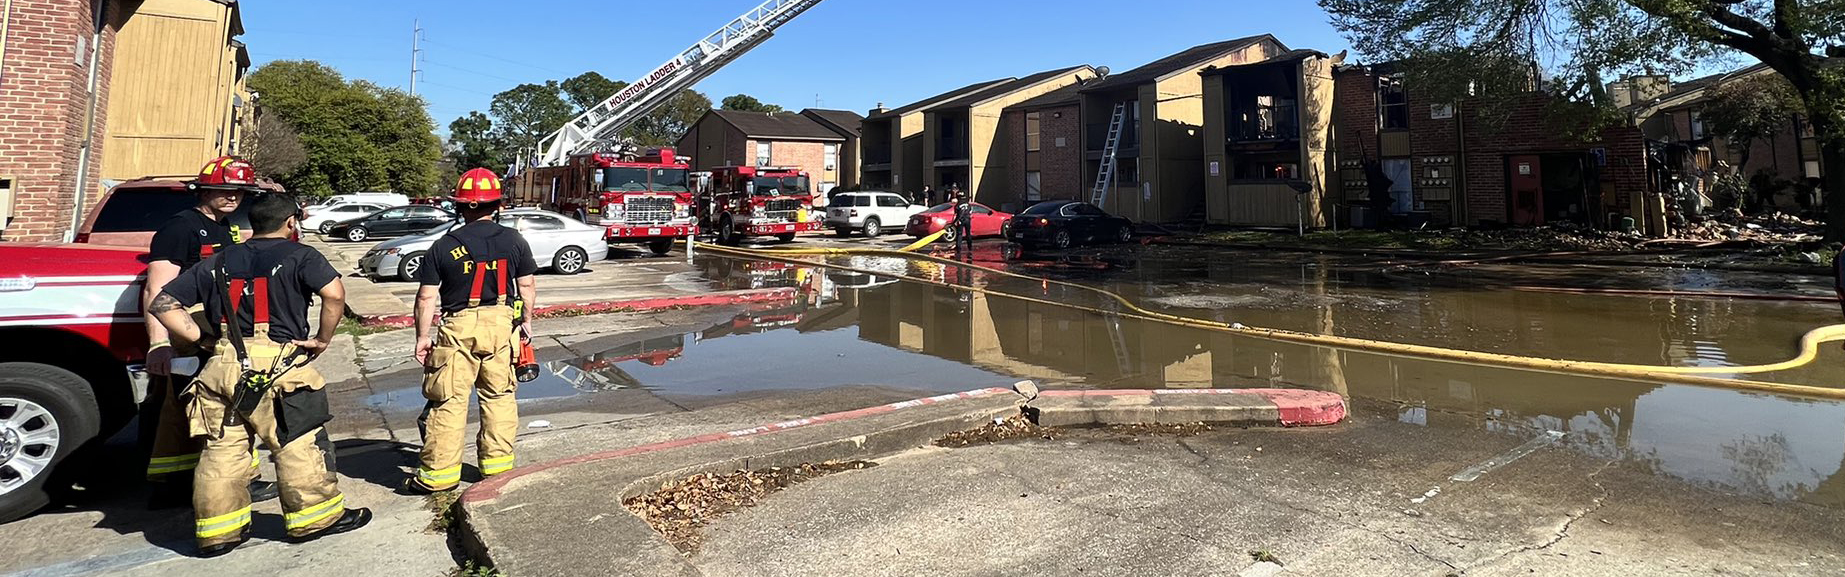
[1392, 103]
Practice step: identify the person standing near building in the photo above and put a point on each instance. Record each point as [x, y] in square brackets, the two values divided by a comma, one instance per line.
[964, 216]
[927, 196]
[179, 244]
[479, 277]
[258, 382]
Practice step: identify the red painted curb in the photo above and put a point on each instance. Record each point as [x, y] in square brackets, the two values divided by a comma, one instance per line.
[753, 296]
[490, 488]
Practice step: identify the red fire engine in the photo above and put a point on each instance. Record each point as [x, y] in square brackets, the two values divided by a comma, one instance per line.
[645, 200]
[745, 201]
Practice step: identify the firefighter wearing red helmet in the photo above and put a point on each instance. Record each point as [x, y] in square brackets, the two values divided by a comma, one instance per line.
[185, 239]
[478, 279]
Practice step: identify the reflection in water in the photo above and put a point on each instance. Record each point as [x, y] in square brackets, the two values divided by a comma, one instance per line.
[851, 328]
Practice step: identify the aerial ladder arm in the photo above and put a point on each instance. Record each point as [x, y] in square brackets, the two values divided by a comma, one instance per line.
[605, 121]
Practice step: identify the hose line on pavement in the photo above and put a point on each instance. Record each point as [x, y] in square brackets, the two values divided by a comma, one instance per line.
[1809, 343]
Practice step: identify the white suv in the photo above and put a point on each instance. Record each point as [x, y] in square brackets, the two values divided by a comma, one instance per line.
[868, 211]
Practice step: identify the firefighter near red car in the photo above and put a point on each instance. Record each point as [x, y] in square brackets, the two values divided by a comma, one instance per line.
[640, 200]
[745, 201]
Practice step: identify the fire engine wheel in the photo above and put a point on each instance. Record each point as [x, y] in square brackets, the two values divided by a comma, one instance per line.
[785, 237]
[45, 413]
[660, 247]
[570, 260]
[357, 234]
[410, 265]
[727, 233]
[873, 228]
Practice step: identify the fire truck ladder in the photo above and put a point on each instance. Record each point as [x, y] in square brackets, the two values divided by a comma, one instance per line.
[1105, 178]
[601, 125]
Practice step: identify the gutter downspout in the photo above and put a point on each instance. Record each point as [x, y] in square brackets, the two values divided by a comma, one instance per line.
[1460, 165]
[99, 9]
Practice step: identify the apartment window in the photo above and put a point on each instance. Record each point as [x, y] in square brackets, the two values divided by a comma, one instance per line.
[1697, 125]
[832, 157]
[1392, 103]
[763, 155]
[1127, 170]
[1034, 186]
[1033, 126]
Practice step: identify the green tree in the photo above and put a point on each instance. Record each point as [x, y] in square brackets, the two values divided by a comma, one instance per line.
[589, 89]
[1471, 43]
[747, 103]
[1749, 109]
[527, 113]
[357, 136]
[472, 143]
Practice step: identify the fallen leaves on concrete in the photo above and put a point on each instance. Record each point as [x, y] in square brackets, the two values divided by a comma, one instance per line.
[1013, 427]
[1160, 430]
[681, 509]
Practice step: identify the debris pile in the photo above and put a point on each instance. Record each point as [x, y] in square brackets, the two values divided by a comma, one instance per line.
[680, 509]
[1770, 228]
[1013, 427]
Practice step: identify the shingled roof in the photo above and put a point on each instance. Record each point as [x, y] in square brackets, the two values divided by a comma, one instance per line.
[843, 121]
[932, 101]
[787, 125]
[1005, 88]
[1189, 58]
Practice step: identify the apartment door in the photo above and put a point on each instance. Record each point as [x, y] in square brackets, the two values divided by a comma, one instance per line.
[1525, 186]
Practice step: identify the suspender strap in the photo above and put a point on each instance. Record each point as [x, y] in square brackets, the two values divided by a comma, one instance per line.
[235, 297]
[474, 293]
[499, 271]
[261, 300]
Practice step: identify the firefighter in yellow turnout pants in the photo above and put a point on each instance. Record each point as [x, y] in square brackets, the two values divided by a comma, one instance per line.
[182, 241]
[479, 277]
[257, 383]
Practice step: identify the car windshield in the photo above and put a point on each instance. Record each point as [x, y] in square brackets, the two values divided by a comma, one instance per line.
[624, 179]
[779, 186]
[1045, 208]
[140, 210]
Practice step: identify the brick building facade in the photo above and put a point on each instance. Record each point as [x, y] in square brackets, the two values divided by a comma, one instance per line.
[786, 139]
[1047, 133]
[55, 60]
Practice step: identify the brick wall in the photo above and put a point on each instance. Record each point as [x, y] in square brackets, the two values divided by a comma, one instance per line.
[1060, 170]
[805, 155]
[44, 107]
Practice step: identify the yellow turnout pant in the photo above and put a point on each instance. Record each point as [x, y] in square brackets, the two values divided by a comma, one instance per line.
[473, 352]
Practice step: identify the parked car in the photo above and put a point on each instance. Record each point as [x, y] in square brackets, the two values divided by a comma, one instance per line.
[322, 218]
[384, 198]
[558, 242]
[1065, 223]
[869, 212]
[129, 213]
[986, 222]
[399, 221]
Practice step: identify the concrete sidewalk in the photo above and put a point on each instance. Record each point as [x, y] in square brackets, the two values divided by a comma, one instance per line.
[565, 517]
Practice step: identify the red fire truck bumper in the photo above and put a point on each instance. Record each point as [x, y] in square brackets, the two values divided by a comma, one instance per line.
[783, 228]
[638, 233]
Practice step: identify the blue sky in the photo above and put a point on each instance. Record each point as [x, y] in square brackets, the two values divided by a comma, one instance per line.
[850, 54]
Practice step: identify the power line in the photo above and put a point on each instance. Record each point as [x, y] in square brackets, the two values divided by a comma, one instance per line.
[499, 58]
[469, 90]
[477, 72]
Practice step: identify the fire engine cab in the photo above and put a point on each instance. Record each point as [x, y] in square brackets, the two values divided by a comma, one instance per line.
[746, 201]
[644, 200]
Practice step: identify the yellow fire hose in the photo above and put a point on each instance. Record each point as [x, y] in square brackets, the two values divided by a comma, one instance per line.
[1809, 343]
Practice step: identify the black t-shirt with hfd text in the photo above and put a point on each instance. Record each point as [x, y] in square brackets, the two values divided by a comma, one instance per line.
[295, 271]
[450, 263]
[182, 238]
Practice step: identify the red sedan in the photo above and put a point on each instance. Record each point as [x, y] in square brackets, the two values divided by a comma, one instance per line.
[987, 222]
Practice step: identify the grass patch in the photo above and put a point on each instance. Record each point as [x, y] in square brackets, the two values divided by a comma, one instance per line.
[443, 506]
[351, 326]
[1264, 556]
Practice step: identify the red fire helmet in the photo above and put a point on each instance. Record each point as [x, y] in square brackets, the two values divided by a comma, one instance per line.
[226, 171]
[478, 186]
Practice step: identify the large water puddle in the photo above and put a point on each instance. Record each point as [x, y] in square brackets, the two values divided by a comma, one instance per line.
[860, 329]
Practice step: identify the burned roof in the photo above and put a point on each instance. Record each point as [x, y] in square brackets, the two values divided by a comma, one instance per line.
[1189, 58]
[1289, 56]
[843, 121]
[778, 125]
[930, 102]
[1005, 88]
[1682, 89]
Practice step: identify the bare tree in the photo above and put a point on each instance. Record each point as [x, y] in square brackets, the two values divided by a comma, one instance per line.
[275, 148]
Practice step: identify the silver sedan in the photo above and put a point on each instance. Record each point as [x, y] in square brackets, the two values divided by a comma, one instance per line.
[558, 242]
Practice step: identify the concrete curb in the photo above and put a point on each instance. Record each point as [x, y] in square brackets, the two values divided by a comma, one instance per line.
[753, 296]
[1511, 256]
[565, 517]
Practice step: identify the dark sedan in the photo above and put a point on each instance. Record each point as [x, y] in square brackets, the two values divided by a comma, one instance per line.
[1066, 223]
[398, 221]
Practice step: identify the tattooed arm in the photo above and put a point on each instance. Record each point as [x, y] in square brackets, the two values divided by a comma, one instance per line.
[174, 317]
